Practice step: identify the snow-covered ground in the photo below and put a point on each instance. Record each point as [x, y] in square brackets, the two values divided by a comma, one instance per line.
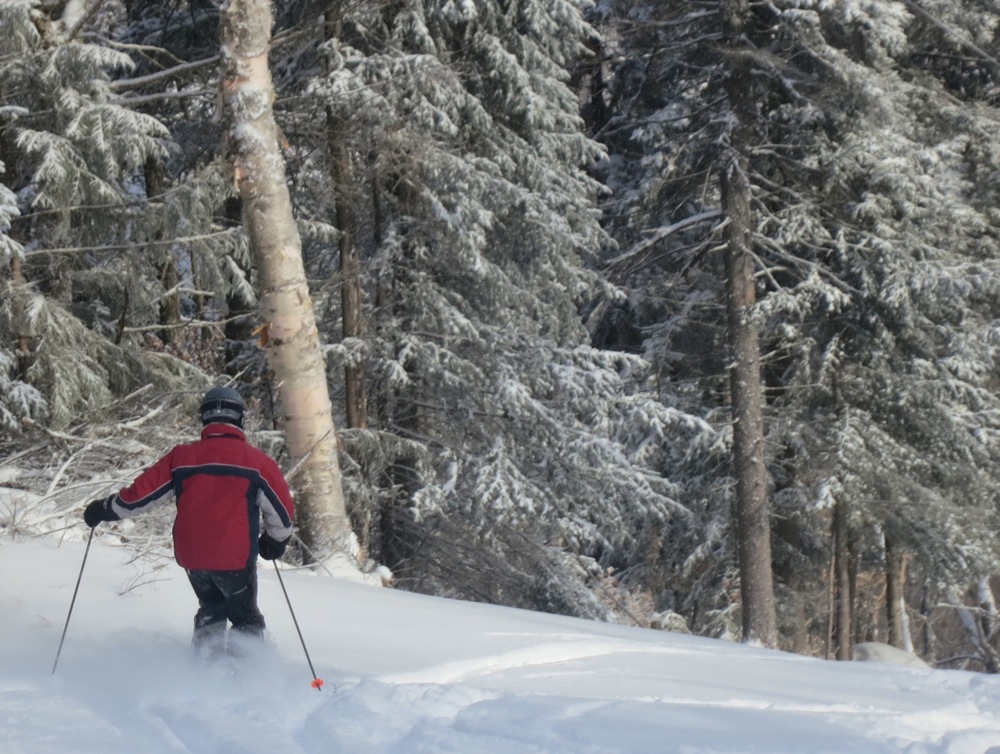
[409, 674]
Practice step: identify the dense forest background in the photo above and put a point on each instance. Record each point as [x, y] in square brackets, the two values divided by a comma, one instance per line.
[517, 220]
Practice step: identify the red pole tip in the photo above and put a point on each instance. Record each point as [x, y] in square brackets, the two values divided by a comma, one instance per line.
[317, 683]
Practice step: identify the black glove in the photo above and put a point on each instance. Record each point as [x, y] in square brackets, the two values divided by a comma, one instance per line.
[270, 548]
[99, 510]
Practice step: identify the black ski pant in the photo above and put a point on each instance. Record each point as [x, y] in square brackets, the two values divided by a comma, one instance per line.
[225, 596]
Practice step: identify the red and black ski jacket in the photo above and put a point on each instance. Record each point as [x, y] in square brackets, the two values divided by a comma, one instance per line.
[222, 486]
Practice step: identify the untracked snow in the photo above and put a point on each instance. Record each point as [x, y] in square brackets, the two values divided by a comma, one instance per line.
[409, 674]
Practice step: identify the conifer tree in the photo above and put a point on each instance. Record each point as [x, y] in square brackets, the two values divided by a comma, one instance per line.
[72, 153]
[868, 193]
[497, 429]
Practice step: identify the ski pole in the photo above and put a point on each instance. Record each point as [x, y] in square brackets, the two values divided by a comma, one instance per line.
[317, 683]
[73, 601]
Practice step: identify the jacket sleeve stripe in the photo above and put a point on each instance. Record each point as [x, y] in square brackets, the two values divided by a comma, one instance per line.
[277, 522]
[127, 509]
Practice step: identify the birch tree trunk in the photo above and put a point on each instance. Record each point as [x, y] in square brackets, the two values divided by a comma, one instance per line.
[293, 346]
[760, 624]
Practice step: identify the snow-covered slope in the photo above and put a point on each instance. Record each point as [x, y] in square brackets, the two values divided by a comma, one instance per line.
[407, 673]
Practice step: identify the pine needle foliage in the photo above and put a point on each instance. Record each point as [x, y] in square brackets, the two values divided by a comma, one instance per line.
[475, 279]
[70, 209]
[877, 244]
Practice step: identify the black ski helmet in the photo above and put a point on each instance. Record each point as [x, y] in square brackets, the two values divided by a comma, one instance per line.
[222, 404]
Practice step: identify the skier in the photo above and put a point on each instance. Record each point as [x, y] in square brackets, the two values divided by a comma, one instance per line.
[222, 487]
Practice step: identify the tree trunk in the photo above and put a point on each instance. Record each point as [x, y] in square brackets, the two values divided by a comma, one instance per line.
[16, 289]
[794, 578]
[238, 330]
[19, 293]
[352, 319]
[170, 304]
[293, 346]
[895, 575]
[842, 577]
[929, 647]
[394, 534]
[988, 621]
[350, 267]
[752, 507]
[350, 280]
